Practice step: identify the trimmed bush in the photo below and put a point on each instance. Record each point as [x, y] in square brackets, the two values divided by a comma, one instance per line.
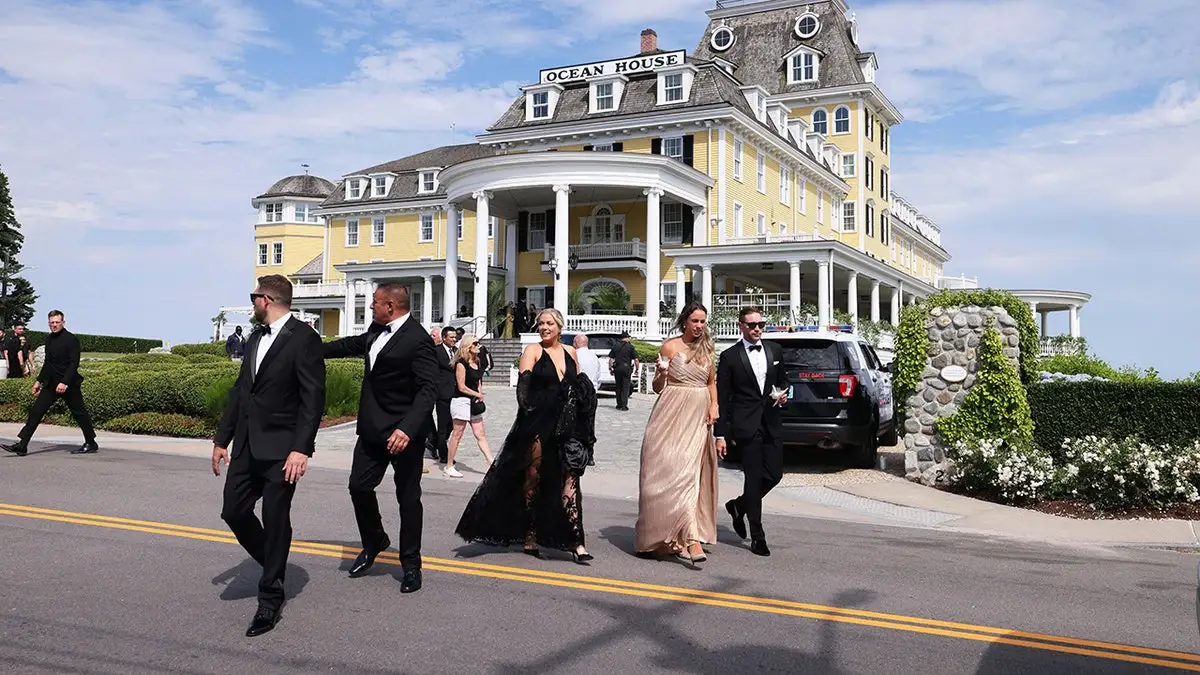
[149, 358]
[160, 424]
[646, 352]
[1129, 472]
[110, 344]
[206, 358]
[996, 408]
[215, 348]
[1155, 412]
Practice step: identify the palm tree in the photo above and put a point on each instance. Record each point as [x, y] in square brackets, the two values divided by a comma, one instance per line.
[497, 297]
[576, 302]
[611, 297]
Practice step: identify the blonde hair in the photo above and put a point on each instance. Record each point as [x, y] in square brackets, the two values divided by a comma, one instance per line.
[555, 315]
[703, 350]
[463, 355]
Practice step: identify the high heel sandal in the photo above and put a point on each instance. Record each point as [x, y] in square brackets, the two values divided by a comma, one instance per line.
[582, 558]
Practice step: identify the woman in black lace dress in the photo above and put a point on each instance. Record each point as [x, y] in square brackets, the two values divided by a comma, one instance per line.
[531, 493]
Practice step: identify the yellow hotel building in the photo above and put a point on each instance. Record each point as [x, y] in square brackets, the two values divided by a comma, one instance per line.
[754, 170]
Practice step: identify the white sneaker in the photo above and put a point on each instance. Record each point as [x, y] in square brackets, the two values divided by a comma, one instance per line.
[452, 472]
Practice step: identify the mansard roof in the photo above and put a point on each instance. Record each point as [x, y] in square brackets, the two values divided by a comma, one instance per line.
[407, 179]
[299, 186]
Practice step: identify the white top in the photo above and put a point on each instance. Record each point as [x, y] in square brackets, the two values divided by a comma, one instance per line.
[758, 361]
[381, 341]
[265, 341]
[589, 364]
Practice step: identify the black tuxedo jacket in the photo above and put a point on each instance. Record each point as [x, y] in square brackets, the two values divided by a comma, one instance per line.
[744, 408]
[279, 409]
[447, 383]
[400, 391]
[62, 360]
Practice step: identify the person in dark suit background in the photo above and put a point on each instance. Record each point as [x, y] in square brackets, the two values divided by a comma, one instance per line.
[14, 351]
[447, 385]
[395, 413]
[272, 417]
[749, 372]
[59, 377]
[622, 360]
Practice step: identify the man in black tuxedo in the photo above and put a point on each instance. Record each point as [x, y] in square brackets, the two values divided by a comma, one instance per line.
[394, 417]
[622, 360]
[272, 417]
[59, 377]
[749, 418]
[446, 386]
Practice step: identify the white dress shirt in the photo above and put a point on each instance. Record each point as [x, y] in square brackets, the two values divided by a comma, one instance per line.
[381, 341]
[758, 361]
[265, 341]
[589, 364]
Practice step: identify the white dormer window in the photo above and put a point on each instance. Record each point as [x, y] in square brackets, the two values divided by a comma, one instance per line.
[429, 182]
[354, 188]
[675, 84]
[379, 186]
[760, 107]
[673, 88]
[540, 100]
[274, 212]
[541, 105]
[604, 96]
[606, 93]
[722, 38]
[803, 66]
[807, 25]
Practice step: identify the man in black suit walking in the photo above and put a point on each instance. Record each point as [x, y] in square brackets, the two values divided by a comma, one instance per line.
[622, 360]
[272, 417]
[59, 377]
[394, 416]
[748, 379]
[447, 385]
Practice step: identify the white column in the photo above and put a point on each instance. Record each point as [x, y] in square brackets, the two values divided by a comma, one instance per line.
[427, 302]
[1045, 324]
[562, 246]
[852, 297]
[450, 283]
[680, 285]
[706, 283]
[479, 302]
[794, 289]
[1033, 308]
[912, 299]
[1075, 321]
[700, 229]
[368, 290]
[897, 291]
[823, 306]
[348, 309]
[653, 275]
[510, 261]
[829, 290]
[875, 300]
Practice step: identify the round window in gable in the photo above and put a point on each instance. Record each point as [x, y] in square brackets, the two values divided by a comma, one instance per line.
[807, 25]
[722, 38]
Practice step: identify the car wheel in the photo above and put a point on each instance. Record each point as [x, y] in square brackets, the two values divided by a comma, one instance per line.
[867, 454]
[892, 437]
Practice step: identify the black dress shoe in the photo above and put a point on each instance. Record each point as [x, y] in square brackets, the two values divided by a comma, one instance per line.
[412, 581]
[264, 620]
[759, 547]
[739, 517]
[88, 448]
[17, 449]
[366, 559]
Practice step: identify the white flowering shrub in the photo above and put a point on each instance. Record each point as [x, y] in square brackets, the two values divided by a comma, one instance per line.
[1010, 471]
[1129, 472]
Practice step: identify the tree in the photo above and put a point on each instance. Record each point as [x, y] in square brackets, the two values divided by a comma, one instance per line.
[218, 321]
[16, 293]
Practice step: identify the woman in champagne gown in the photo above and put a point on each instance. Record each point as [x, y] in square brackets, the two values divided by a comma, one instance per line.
[677, 498]
[530, 495]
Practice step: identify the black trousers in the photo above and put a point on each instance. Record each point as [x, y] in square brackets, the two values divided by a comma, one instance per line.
[366, 472]
[74, 399]
[268, 541]
[439, 440]
[624, 387]
[762, 467]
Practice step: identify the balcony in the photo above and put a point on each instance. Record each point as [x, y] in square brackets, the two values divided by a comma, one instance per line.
[602, 251]
[958, 282]
[336, 289]
[778, 238]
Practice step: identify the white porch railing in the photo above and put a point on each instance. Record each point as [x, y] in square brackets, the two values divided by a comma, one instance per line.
[960, 281]
[607, 323]
[322, 290]
[777, 238]
[764, 301]
[604, 250]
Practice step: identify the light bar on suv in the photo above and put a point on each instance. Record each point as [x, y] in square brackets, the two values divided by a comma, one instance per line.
[782, 328]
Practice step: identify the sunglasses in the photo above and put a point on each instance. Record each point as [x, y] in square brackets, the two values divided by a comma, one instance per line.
[755, 324]
[255, 296]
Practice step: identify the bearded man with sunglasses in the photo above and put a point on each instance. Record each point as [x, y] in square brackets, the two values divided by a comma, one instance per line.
[751, 388]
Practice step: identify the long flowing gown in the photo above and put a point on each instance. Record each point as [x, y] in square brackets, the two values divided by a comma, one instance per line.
[527, 494]
[677, 496]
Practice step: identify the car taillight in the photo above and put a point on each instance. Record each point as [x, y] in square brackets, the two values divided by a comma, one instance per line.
[846, 385]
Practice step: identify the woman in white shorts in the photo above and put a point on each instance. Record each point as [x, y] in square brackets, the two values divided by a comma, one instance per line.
[467, 405]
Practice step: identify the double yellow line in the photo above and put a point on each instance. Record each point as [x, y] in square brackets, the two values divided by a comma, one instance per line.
[964, 631]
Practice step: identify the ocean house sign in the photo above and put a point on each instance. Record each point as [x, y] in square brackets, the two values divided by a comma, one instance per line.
[629, 66]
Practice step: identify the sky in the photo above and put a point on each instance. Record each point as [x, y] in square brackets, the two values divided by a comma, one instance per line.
[1057, 144]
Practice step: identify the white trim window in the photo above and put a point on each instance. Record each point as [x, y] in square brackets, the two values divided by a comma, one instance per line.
[605, 100]
[378, 228]
[602, 147]
[536, 295]
[541, 105]
[785, 185]
[803, 67]
[739, 148]
[885, 138]
[885, 234]
[760, 171]
[869, 172]
[848, 224]
[673, 88]
[380, 186]
[841, 120]
[429, 182]
[355, 189]
[537, 231]
[425, 233]
[352, 232]
[869, 219]
[739, 228]
[673, 147]
[820, 121]
[802, 195]
[760, 224]
[672, 223]
[870, 125]
[602, 227]
[277, 253]
[459, 227]
[492, 227]
[262, 255]
[820, 206]
[761, 107]
[274, 212]
[884, 184]
[848, 168]
[301, 213]
[667, 292]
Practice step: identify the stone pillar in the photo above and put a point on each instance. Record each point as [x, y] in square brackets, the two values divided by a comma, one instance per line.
[479, 308]
[450, 283]
[562, 246]
[824, 310]
[852, 297]
[1045, 324]
[706, 286]
[897, 291]
[510, 261]
[680, 285]
[1075, 321]
[427, 302]
[348, 309]
[653, 259]
[875, 300]
[794, 289]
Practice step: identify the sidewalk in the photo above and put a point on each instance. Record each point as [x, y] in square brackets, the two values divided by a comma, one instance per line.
[887, 501]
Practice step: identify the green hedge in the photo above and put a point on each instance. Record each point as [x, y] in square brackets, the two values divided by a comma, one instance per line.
[215, 348]
[161, 424]
[1155, 412]
[110, 344]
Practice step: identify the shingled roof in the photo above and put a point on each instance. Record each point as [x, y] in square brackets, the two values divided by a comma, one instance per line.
[313, 267]
[299, 186]
[406, 183]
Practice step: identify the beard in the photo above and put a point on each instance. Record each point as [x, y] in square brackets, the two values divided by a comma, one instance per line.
[260, 315]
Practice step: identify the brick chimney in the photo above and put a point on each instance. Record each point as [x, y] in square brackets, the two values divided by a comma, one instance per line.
[649, 41]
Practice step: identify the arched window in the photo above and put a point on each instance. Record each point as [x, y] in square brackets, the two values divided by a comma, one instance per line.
[841, 120]
[820, 121]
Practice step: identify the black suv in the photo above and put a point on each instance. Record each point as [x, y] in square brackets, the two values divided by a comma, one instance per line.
[840, 394]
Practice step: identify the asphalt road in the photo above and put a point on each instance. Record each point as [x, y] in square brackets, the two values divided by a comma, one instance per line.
[174, 593]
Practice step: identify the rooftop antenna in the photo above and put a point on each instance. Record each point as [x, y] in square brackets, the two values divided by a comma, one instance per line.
[305, 169]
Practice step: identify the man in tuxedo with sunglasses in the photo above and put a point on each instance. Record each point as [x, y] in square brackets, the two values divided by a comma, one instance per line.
[748, 373]
[395, 414]
[272, 417]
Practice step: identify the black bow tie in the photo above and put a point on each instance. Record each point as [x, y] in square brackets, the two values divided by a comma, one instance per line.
[754, 348]
[264, 329]
[387, 329]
